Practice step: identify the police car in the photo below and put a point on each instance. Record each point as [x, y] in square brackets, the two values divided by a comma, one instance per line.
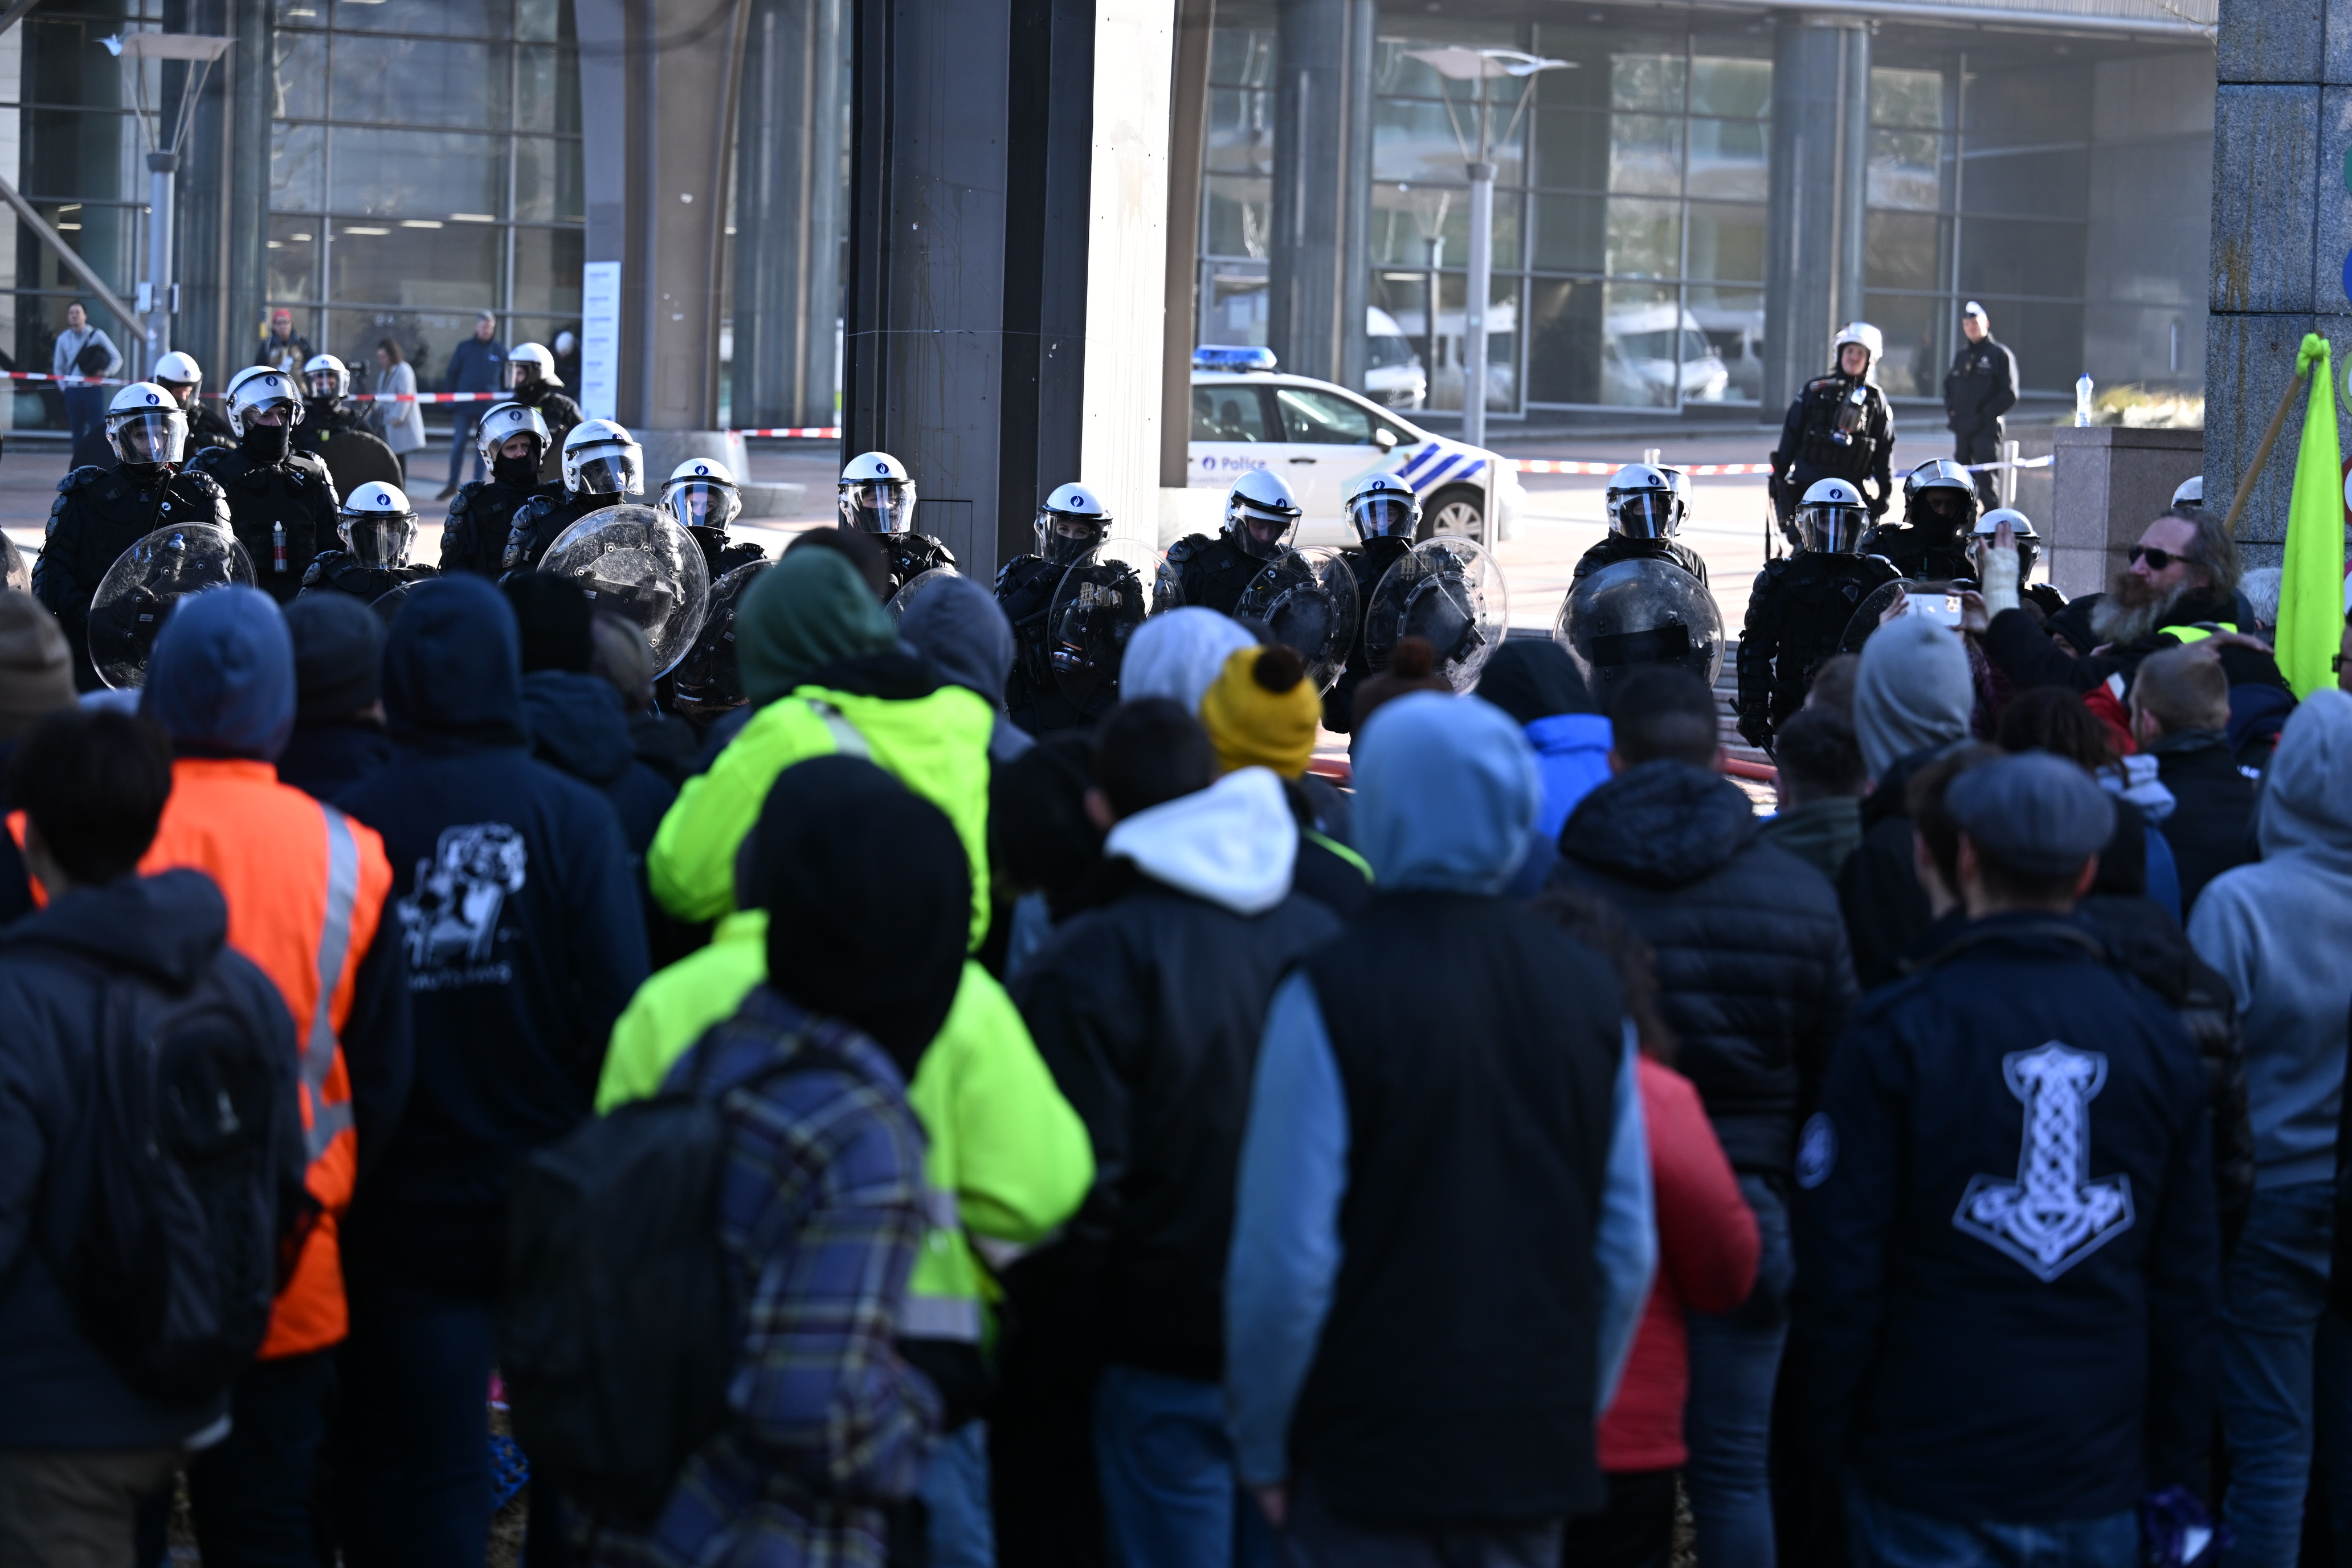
[1321, 438]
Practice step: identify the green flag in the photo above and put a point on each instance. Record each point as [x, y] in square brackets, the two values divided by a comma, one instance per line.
[2311, 590]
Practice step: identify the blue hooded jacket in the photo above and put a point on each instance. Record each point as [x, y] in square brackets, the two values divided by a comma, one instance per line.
[577, 723]
[221, 681]
[524, 934]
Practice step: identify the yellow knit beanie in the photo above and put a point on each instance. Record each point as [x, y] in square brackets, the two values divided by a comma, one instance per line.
[1263, 711]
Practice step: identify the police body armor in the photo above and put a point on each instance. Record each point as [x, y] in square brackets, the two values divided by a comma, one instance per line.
[1797, 616]
[99, 513]
[339, 572]
[719, 555]
[1615, 547]
[1024, 592]
[560, 414]
[539, 520]
[1368, 563]
[480, 515]
[1844, 432]
[282, 512]
[1211, 570]
[909, 555]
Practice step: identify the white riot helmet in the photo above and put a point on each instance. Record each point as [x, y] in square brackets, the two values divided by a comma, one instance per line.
[1260, 514]
[1644, 502]
[327, 378]
[877, 494]
[177, 369]
[1862, 333]
[146, 427]
[1072, 522]
[701, 493]
[527, 362]
[377, 525]
[259, 387]
[601, 458]
[1383, 506]
[2028, 542]
[2191, 492]
[505, 421]
[1833, 516]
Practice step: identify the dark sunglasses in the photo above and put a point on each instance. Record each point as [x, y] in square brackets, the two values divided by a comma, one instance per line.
[2158, 560]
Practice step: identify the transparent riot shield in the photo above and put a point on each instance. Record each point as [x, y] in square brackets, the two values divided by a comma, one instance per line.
[1093, 614]
[1448, 591]
[899, 603]
[1307, 598]
[1636, 612]
[1873, 610]
[145, 580]
[638, 562]
[708, 677]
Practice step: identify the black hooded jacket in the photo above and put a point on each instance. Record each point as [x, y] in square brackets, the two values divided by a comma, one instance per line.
[1753, 972]
[576, 724]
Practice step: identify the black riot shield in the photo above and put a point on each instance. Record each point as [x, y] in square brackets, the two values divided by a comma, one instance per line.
[1640, 612]
[354, 457]
[1449, 591]
[1307, 598]
[1096, 609]
[708, 677]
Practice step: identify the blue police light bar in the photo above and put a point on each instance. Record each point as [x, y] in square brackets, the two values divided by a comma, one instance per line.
[1221, 356]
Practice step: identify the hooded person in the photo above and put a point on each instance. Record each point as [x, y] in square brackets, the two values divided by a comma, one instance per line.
[307, 890]
[1197, 881]
[999, 1134]
[957, 625]
[824, 672]
[1538, 684]
[576, 718]
[339, 736]
[1411, 668]
[1913, 699]
[36, 679]
[2277, 931]
[664, 742]
[1263, 711]
[1439, 1258]
[1179, 653]
[524, 940]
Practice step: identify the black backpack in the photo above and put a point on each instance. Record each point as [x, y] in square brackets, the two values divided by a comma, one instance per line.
[188, 1210]
[616, 1328]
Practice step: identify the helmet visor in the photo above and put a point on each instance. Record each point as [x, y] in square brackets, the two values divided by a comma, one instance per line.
[879, 506]
[1642, 515]
[1943, 509]
[1263, 534]
[381, 539]
[147, 436]
[700, 504]
[1833, 530]
[1382, 514]
[521, 372]
[1063, 537]
[323, 383]
[610, 473]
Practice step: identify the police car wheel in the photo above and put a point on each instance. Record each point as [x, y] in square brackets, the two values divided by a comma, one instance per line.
[1460, 509]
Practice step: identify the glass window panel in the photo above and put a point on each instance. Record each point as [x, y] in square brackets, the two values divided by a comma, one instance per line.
[72, 153]
[1586, 83]
[1731, 158]
[471, 19]
[1732, 320]
[1241, 132]
[2024, 106]
[1739, 87]
[2014, 256]
[420, 82]
[1913, 325]
[1904, 250]
[1644, 238]
[1571, 236]
[429, 173]
[1502, 344]
[453, 266]
[1907, 170]
[1641, 345]
[1412, 141]
[1229, 411]
[425, 335]
[1506, 230]
[548, 181]
[1572, 150]
[1907, 98]
[1564, 341]
[297, 83]
[2047, 338]
[1244, 57]
[293, 257]
[1324, 418]
[547, 91]
[300, 13]
[1232, 309]
[541, 21]
[1726, 243]
[1646, 81]
[546, 270]
[1237, 216]
[2044, 183]
[106, 236]
[1406, 217]
[1395, 72]
[1646, 154]
[296, 167]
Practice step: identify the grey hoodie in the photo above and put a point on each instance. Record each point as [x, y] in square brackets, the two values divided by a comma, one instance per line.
[2279, 931]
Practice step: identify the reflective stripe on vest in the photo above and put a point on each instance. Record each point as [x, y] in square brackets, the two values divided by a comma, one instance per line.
[334, 949]
[2190, 634]
[846, 740]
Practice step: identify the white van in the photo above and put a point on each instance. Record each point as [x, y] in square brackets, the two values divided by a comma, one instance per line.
[1394, 375]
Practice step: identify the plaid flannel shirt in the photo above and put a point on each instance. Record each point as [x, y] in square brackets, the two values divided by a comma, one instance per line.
[821, 1209]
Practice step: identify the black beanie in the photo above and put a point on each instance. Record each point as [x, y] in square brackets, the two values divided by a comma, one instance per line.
[556, 621]
[338, 657]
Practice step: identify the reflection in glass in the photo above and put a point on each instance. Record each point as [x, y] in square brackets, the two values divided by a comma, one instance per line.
[546, 270]
[1727, 242]
[1572, 233]
[1646, 154]
[1732, 319]
[1915, 335]
[1739, 87]
[427, 173]
[293, 257]
[547, 91]
[548, 180]
[1240, 134]
[1238, 209]
[422, 81]
[1907, 98]
[297, 83]
[1908, 169]
[1644, 238]
[297, 166]
[1646, 81]
[1904, 250]
[1412, 139]
[1502, 345]
[474, 19]
[1729, 158]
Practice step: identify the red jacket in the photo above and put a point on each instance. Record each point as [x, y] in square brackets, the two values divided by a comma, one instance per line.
[1708, 1247]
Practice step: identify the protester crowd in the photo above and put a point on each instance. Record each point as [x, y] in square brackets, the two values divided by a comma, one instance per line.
[844, 1130]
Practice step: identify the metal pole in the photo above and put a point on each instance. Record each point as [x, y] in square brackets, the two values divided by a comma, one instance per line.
[161, 168]
[1477, 285]
[2007, 481]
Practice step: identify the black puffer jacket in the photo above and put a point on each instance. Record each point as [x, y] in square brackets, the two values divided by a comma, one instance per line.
[1884, 907]
[1753, 973]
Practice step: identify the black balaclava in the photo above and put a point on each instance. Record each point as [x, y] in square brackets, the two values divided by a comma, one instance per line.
[521, 473]
[266, 443]
[868, 895]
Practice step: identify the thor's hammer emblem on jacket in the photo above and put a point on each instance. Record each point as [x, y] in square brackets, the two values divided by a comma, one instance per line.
[2053, 1214]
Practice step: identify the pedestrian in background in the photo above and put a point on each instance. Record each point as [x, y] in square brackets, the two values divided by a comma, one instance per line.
[85, 404]
[1979, 389]
[478, 364]
[283, 349]
[399, 419]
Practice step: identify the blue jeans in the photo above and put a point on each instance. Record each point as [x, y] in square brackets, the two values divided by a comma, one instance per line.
[413, 1435]
[1734, 1361]
[955, 1494]
[1880, 1535]
[1170, 1499]
[250, 1492]
[2281, 1349]
[85, 407]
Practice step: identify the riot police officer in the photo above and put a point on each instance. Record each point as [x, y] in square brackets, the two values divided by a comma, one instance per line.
[2044, 595]
[180, 375]
[1940, 514]
[602, 465]
[334, 429]
[102, 512]
[532, 381]
[513, 440]
[1385, 514]
[2189, 493]
[1979, 389]
[1839, 427]
[1799, 606]
[377, 527]
[327, 389]
[877, 497]
[1647, 509]
[702, 495]
[281, 501]
[1070, 524]
[1260, 516]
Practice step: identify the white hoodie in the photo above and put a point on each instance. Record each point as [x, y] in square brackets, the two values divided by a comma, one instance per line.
[1233, 844]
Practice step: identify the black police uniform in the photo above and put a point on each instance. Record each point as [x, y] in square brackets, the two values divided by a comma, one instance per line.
[1368, 563]
[339, 572]
[1212, 571]
[480, 514]
[98, 515]
[1811, 451]
[1034, 699]
[1979, 389]
[208, 426]
[337, 434]
[1616, 547]
[1797, 614]
[559, 413]
[1923, 554]
[540, 520]
[909, 555]
[294, 493]
[719, 555]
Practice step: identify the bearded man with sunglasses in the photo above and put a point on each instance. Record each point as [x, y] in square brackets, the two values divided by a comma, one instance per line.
[2180, 578]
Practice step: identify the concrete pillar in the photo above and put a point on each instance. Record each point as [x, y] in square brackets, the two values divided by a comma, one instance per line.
[2107, 483]
[788, 213]
[659, 154]
[2281, 227]
[1821, 125]
[1188, 124]
[1318, 275]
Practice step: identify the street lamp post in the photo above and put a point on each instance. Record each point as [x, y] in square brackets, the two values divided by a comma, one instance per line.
[159, 296]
